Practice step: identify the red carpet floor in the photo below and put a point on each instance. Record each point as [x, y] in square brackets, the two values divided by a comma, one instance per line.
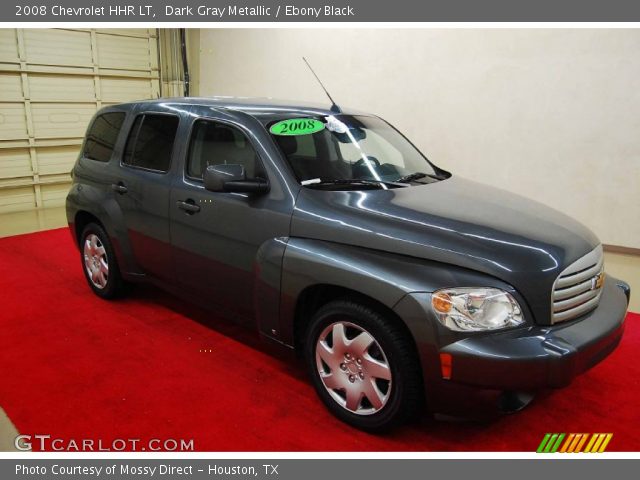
[74, 366]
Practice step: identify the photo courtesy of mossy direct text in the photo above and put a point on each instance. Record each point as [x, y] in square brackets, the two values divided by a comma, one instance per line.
[259, 11]
[162, 469]
[110, 470]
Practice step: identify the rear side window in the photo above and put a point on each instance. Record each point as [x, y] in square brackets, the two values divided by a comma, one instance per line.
[150, 142]
[102, 136]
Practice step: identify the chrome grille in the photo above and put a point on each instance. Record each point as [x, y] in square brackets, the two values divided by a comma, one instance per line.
[577, 289]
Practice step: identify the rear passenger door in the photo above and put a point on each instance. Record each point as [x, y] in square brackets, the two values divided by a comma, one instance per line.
[142, 188]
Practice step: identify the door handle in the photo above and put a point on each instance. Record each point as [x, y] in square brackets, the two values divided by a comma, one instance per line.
[119, 188]
[188, 206]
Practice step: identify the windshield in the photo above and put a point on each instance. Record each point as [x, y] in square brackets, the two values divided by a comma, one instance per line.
[344, 149]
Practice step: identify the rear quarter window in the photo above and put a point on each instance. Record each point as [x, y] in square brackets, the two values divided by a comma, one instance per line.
[102, 136]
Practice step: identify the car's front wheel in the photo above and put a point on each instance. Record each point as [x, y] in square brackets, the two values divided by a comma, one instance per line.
[99, 262]
[363, 366]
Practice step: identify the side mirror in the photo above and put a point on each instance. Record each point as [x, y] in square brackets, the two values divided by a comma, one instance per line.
[232, 178]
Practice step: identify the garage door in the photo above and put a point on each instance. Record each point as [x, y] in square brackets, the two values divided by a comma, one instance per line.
[51, 83]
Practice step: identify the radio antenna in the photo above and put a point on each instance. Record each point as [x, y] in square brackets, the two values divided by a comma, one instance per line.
[334, 106]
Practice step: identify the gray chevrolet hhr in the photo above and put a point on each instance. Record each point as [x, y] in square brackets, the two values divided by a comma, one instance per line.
[398, 283]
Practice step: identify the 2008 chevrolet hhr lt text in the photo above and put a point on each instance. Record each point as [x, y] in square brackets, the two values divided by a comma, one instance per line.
[399, 284]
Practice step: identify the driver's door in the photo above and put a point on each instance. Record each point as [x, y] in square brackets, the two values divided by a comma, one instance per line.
[215, 236]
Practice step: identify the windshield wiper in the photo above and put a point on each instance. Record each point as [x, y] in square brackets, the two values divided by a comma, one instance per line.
[417, 176]
[348, 181]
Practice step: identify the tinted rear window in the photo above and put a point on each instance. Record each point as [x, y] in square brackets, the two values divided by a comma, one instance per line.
[102, 136]
[150, 142]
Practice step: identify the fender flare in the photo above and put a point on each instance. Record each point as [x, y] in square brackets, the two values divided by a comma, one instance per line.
[306, 263]
[86, 198]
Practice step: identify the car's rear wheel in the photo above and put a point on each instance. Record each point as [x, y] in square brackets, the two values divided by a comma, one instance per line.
[363, 366]
[99, 262]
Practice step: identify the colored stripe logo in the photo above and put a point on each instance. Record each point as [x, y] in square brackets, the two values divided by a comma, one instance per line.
[574, 443]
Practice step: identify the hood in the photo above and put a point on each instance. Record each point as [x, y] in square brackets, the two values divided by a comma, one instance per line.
[454, 221]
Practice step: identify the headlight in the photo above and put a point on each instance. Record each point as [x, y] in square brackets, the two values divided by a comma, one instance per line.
[476, 309]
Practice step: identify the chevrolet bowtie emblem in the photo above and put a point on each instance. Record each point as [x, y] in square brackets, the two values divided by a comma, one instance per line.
[597, 281]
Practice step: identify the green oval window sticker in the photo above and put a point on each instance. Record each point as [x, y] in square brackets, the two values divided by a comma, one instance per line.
[297, 126]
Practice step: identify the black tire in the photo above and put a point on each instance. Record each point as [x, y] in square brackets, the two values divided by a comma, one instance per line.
[403, 392]
[114, 285]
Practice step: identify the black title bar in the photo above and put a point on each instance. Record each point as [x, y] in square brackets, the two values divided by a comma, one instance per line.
[320, 11]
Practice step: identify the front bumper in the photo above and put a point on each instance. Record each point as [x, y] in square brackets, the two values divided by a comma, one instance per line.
[541, 356]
